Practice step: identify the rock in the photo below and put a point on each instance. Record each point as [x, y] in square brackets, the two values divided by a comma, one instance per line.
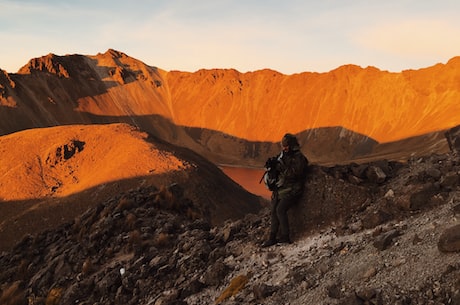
[453, 138]
[375, 174]
[334, 291]
[422, 198]
[416, 240]
[386, 166]
[350, 300]
[389, 194]
[449, 241]
[433, 173]
[368, 296]
[325, 200]
[176, 190]
[54, 296]
[193, 286]
[215, 273]
[169, 297]
[359, 171]
[354, 180]
[384, 240]
[370, 272]
[109, 283]
[456, 209]
[450, 181]
[356, 226]
[373, 219]
[262, 291]
[228, 233]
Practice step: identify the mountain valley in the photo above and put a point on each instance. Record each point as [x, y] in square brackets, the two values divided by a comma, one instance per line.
[111, 191]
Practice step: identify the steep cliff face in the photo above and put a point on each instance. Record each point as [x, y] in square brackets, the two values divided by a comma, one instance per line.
[256, 106]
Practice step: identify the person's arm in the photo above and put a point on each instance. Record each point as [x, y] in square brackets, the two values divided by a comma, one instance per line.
[296, 169]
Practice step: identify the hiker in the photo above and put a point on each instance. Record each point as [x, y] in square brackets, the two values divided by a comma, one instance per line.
[291, 170]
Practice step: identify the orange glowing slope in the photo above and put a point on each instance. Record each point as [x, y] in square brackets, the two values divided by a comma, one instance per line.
[65, 160]
[260, 105]
[263, 105]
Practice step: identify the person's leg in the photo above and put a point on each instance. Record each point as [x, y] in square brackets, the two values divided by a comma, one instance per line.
[274, 224]
[281, 210]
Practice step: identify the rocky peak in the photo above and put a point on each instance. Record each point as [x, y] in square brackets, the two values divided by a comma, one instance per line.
[5, 83]
[125, 69]
[5, 80]
[50, 63]
[115, 54]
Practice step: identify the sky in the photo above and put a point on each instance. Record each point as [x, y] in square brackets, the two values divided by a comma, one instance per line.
[289, 36]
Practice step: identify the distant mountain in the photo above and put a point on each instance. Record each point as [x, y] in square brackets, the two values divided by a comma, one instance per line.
[210, 111]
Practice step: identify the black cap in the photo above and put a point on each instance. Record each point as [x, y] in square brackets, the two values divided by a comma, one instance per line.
[290, 140]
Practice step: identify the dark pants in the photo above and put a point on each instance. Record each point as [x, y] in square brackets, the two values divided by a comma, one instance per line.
[279, 217]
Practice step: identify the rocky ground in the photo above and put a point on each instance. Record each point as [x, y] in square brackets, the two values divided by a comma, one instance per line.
[380, 233]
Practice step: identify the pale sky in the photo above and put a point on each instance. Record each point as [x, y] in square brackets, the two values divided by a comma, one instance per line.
[289, 36]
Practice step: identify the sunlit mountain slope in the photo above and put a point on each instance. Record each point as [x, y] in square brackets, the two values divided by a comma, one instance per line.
[255, 106]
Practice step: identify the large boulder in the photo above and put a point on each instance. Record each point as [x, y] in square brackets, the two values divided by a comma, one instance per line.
[327, 200]
[449, 241]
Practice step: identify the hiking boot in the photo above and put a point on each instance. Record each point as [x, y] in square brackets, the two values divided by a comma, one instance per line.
[269, 242]
[285, 240]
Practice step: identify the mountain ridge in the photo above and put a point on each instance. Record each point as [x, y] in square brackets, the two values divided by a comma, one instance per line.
[257, 106]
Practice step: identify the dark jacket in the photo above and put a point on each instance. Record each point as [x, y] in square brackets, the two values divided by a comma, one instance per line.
[293, 167]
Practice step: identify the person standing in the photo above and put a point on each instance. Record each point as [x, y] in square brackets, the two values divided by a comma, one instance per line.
[291, 171]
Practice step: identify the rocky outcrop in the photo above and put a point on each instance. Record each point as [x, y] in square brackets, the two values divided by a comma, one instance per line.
[65, 152]
[50, 63]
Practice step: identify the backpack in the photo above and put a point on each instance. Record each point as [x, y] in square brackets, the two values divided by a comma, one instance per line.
[271, 174]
